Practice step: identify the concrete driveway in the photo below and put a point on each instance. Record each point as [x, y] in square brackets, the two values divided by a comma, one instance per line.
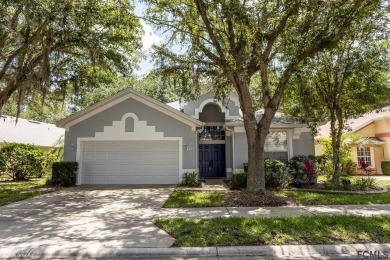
[86, 217]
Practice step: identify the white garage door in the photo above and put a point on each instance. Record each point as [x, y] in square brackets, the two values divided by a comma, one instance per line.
[130, 162]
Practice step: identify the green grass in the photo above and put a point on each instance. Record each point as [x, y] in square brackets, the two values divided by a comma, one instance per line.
[195, 199]
[277, 231]
[311, 198]
[14, 191]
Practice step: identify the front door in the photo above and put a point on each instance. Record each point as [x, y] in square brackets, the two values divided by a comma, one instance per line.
[212, 160]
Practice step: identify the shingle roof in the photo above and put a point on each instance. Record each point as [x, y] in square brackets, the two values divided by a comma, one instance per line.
[279, 118]
[29, 132]
[356, 124]
[371, 140]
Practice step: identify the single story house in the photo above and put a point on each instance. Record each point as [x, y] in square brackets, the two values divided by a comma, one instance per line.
[42, 135]
[374, 129]
[130, 138]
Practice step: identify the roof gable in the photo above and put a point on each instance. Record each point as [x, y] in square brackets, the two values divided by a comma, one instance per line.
[356, 124]
[121, 96]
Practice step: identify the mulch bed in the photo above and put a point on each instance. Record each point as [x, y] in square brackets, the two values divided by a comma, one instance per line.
[244, 198]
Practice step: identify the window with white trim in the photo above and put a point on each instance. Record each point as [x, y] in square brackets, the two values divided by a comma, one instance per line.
[365, 154]
[276, 146]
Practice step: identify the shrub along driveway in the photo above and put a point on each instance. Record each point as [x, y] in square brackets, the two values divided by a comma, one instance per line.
[86, 217]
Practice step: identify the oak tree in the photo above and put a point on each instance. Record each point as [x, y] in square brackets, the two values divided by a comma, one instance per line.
[48, 47]
[226, 43]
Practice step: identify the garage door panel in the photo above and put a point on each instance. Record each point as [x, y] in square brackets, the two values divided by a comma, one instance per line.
[100, 157]
[113, 157]
[88, 157]
[130, 162]
[88, 167]
[87, 178]
[112, 167]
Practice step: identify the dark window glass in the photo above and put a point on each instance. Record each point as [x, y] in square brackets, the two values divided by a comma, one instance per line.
[212, 133]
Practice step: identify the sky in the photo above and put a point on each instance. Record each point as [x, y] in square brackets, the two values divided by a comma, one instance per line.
[149, 38]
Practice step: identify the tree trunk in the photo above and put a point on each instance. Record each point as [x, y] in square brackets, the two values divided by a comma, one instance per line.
[256, 135]
[336, 144]
[256, 170]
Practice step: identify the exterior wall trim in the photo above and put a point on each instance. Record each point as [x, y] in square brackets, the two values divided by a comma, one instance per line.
[219, 103]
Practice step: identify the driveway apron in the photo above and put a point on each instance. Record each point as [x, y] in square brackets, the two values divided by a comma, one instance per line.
[85, 217]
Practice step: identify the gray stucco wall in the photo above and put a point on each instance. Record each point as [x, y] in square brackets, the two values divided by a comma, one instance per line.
[190, 107]
[163, 123]
[240, 150]
[304, 145]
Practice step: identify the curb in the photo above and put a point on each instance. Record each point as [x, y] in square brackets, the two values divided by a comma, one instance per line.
[349, 251]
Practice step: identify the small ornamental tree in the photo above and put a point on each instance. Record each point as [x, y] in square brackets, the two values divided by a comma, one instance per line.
[22, 161]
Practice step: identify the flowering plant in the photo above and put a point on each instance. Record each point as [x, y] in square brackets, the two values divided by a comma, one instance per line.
[310, 171]
[363, 165]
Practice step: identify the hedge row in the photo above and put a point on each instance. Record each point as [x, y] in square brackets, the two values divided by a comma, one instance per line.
[386, 167]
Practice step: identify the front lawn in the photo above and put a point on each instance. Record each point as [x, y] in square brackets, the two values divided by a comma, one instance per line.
[14, 191]
[311, 198]
[277, 231]
[194, 199]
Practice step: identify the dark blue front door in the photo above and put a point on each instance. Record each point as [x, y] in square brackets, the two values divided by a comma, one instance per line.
[212, 160]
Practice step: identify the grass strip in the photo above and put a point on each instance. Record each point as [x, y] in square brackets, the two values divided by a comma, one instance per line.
[195, 199]
[15, 191]
[277, 231]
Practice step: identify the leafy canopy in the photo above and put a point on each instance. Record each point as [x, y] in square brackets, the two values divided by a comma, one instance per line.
[50, 47]
[226, 43]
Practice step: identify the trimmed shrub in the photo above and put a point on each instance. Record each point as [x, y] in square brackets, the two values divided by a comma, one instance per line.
[238, 180]
[296, 167]
[64, 173]
[303, 168]
[276, 175]
[191, 179]
[22, 161]
[385, 167]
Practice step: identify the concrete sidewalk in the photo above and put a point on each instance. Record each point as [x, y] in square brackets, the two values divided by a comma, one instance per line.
[345, 251]
[252, 212]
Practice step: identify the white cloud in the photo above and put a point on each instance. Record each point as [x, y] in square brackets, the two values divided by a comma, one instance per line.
[149, 38]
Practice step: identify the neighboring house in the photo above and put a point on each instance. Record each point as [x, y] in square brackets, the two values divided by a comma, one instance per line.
[42, 135]
[131, 138]
[374, 128]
